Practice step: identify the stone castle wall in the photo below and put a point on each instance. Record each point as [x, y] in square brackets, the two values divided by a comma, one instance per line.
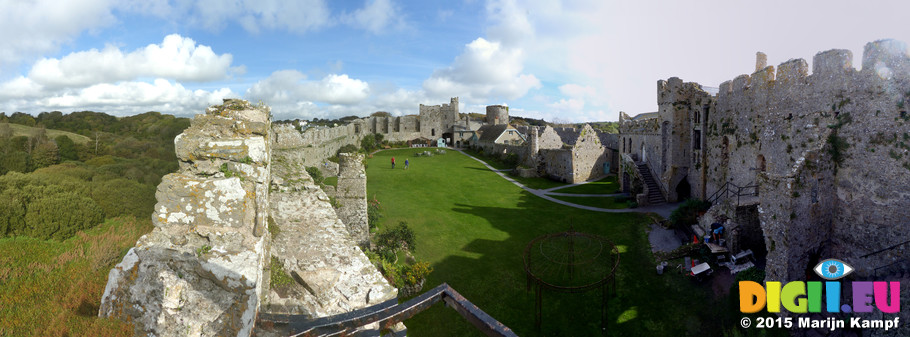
[588, 156]
[437, 119]
[351, 194]
[200, 271]
[331, 275]
[784, 128]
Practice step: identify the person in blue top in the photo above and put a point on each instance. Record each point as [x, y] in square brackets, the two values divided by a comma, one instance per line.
[406, 164]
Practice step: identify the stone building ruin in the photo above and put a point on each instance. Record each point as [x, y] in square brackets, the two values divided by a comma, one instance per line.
[816, 164]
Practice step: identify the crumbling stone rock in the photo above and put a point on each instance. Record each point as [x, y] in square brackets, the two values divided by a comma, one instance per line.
[332, 275]
[200, 271]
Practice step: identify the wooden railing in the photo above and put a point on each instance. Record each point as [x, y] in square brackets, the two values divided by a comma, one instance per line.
[387, 314]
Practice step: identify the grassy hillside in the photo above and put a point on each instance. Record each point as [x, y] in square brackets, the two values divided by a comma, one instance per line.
[50, 288]
[22, 130]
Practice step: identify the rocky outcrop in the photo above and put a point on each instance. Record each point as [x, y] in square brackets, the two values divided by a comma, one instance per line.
[331, 274]
[200, 271]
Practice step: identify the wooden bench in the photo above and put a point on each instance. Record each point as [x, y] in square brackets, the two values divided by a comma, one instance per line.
[741, 255]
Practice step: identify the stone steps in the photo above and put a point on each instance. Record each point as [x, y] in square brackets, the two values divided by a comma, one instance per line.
[654, 196]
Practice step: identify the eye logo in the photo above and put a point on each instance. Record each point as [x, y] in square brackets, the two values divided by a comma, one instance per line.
[833, 269]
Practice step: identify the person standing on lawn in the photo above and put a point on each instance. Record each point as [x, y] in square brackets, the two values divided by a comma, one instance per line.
[393, 163]
[406, 163]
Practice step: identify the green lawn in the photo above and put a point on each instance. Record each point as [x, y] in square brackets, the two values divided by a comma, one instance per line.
[606, 185]
[601, 202]
[472, 227]
[538, 183]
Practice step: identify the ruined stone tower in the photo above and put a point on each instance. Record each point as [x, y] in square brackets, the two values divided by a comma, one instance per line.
[497, 114]
[351, 195]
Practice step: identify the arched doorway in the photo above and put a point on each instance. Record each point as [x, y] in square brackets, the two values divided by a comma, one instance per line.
[683, 190]
[644, 155]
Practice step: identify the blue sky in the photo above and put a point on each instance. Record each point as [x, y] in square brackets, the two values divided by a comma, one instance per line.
[573, 60]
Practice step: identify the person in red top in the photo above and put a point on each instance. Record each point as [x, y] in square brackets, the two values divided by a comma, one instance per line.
[393, 162]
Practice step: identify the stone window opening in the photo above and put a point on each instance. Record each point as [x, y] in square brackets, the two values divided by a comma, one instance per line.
[706, 108]
[697, 120]
[433, 132]
[815, 191]
[696, 139]
[760, 163]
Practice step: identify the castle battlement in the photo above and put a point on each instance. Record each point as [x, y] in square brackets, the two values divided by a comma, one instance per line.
[882, 58]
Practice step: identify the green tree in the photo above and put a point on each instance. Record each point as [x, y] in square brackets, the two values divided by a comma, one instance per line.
[66, 148]
[316, 174]
[15, 161]
[44, 155]
[22, 119]
[59, 216]
[124, 197]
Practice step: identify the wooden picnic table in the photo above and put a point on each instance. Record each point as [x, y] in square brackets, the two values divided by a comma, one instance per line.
[715, 249]
[701, 268]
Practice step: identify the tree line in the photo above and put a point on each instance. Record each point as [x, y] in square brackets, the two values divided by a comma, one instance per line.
[51, 188]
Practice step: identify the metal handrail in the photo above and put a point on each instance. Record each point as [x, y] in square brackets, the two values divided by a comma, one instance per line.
[875, 271]
[386, 314]
[726, 190]
[885, 249]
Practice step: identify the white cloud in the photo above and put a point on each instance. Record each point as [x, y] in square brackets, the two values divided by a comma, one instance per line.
[577, 91]
[176, 58]
[31, 28]
[159, 92]
[291, 86]
[375, 16]
[124, 98]
[485, 70]
[291, 95]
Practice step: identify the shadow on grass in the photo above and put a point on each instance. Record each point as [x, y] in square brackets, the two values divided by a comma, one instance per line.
[492, 277]
[473, 228]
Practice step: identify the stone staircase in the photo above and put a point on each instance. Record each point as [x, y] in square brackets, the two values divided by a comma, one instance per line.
[654, 195]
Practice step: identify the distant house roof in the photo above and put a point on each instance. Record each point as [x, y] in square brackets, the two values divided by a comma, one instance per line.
[522, 128]
[608, 139]
[568, 135]
[489, 133]
[645, 115]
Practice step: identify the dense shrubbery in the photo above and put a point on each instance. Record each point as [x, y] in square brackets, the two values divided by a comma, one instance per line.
[387, 246]
[371, 142]
[687, 212]
[392, 241]
[113, 175]
[374, 212]
[316, 174]
[57, 201]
